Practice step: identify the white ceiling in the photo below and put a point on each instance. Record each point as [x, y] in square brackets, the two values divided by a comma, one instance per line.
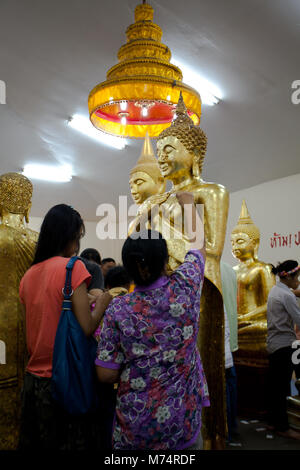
[52, 53]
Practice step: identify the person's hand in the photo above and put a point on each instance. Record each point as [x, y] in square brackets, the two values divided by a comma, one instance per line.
[185, 198]
[103, 300]
[92, 299]
[297, 292]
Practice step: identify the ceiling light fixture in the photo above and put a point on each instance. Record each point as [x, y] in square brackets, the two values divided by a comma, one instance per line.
[83, 125]
[210, 93]
[57, 174]
[143, 78]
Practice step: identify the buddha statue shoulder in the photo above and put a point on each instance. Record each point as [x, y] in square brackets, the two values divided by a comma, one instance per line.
[17, 246]
[181, 149]
[145, 181]
[254, 280]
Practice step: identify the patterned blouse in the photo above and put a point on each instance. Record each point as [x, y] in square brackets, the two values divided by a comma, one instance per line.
[151, 334]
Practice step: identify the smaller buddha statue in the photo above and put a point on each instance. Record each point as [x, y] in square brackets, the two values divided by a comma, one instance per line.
[145, 180]
[17, 246]
[254, 279]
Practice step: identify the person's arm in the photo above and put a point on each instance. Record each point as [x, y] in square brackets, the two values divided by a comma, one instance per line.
[292, 308]
[105, 375]
[193, 225]
[109, 353]
[88, 320]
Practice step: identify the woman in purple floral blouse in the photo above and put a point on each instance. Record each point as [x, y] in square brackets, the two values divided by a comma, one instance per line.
[149, 343]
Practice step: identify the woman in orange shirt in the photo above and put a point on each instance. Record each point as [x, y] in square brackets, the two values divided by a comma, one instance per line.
[43, 424]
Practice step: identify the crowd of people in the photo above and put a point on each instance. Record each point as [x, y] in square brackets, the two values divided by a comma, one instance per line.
[151, 382]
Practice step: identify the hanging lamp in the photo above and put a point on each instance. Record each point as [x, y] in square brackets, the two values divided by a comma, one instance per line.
[141, 92]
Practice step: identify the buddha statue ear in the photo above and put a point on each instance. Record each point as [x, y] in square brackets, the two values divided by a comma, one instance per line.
[27, 213]
[196, 163]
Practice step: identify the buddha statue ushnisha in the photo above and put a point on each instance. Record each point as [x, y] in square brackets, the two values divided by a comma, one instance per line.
[181, 149]
[255, 280]
[17, 246]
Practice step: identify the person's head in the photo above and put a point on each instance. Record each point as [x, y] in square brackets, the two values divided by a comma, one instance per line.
[245, 237]
[92, 255]
[60, 233]
[288, 273]
[181, 147]
[117, 277]
[15, 195]
[106, 264]
[145, 256]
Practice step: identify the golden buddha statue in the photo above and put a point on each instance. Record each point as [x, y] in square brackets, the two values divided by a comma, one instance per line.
[254, 279]
[181, 149]
[17, 245]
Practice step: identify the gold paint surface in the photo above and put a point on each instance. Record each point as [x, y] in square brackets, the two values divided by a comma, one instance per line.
[17, 245]
[255, 280]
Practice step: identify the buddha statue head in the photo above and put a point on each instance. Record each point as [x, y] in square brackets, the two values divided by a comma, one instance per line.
[15, 195]
[145, 178]
[245, 237]
[181, 147]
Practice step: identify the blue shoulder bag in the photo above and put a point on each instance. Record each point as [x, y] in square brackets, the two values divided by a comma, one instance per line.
[73, 374]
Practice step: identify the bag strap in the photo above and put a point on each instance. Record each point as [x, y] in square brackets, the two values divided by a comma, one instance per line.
[67, 290]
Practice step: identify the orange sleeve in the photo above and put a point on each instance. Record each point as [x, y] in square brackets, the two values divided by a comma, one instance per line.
[79, 275]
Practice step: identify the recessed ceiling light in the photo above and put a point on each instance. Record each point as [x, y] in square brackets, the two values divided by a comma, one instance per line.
[84, 125]
[58, 174]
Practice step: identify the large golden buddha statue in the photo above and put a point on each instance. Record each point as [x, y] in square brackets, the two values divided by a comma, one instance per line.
[181, 149]
[254, 279]
[17, 245]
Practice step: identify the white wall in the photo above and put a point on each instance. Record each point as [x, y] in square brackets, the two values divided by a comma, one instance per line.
[274, 208]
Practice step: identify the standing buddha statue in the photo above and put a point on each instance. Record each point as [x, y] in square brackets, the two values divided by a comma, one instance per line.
[181, 149]
[17, 245]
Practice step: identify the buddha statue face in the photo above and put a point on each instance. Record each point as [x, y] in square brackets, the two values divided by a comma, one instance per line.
[174, 159]
[243, 247]
[142, 186]
[245, 237]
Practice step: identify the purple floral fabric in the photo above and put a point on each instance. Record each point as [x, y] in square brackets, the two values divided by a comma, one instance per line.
[151, 335]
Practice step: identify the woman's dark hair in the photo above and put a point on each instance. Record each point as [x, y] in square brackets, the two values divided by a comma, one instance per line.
[61, 226]
[286, 266]
[144, 256]
[117, 277]
[92, 255]
[107, 260]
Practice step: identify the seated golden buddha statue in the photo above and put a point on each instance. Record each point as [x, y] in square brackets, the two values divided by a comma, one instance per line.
[181, 149]
[17, 245]
[254, 279]
[145, 179]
